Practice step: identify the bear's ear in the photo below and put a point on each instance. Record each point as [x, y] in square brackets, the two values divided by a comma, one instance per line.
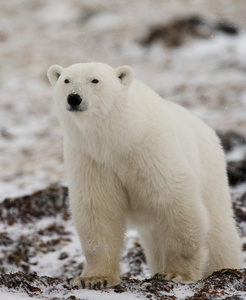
[54, 73]
[125, 74]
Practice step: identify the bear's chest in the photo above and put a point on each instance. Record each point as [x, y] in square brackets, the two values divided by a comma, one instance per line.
[143, 180]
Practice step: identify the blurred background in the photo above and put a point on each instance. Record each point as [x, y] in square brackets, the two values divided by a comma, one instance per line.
[192, 52]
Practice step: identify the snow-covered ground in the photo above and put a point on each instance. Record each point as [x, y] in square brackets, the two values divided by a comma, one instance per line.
[207, 75]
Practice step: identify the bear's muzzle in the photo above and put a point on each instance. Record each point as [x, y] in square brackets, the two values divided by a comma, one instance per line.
[74, 101]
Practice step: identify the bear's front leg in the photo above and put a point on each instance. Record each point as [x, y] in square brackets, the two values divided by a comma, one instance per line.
[98, 204]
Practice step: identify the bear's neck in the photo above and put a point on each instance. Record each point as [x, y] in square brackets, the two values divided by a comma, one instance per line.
[105, 139]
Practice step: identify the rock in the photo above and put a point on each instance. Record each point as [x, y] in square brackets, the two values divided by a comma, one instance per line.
[63, 255]
[48, 202]
[236, 172]
[23, 253]
[227, 28]
[231, 139]
[177, 32]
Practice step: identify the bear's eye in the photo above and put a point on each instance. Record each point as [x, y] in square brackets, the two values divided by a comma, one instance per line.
[95, 81]
[66, 81]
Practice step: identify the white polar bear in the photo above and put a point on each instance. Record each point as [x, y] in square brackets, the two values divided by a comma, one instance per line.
[132, 157]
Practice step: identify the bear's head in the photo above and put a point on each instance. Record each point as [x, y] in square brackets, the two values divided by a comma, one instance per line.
[89, 88]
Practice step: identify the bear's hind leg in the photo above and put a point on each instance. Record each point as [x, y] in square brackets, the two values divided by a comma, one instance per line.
[186, 253]
[176, 245]
[177, 258]
[153, 246]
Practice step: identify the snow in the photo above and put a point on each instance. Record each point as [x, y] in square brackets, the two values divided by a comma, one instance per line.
[236, 154]
[108, 296]
[84, 294]
[19, 296]
[205, 75]
[181, 292]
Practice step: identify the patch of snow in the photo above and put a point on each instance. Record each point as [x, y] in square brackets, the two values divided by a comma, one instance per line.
[103, 21]
[183, 291]
[106, 296]
[237, 154]
[14, 296]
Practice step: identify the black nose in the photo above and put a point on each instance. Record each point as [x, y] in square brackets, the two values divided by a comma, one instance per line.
[74, 100]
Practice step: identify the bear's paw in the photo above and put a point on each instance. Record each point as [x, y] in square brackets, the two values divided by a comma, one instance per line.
[178, 278]
[95, 283]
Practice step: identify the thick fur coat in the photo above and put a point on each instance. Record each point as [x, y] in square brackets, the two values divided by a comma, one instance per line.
[133, 157]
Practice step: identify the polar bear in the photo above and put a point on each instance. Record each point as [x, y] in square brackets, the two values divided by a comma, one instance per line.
[134, 158]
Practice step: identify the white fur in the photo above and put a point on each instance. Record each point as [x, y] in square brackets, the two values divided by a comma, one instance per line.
[133, 157]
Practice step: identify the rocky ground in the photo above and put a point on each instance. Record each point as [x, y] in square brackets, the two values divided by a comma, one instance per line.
[37, 239]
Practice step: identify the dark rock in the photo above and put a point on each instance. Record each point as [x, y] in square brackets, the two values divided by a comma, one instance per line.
[49, 202]
[6, 134]
[5, 240]
[177, 32]
[227, 28]
[236, 172]
[32, 284]
[239, 206]
[231, 139]
[63, 255]
[53, 228]
[135, 259]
